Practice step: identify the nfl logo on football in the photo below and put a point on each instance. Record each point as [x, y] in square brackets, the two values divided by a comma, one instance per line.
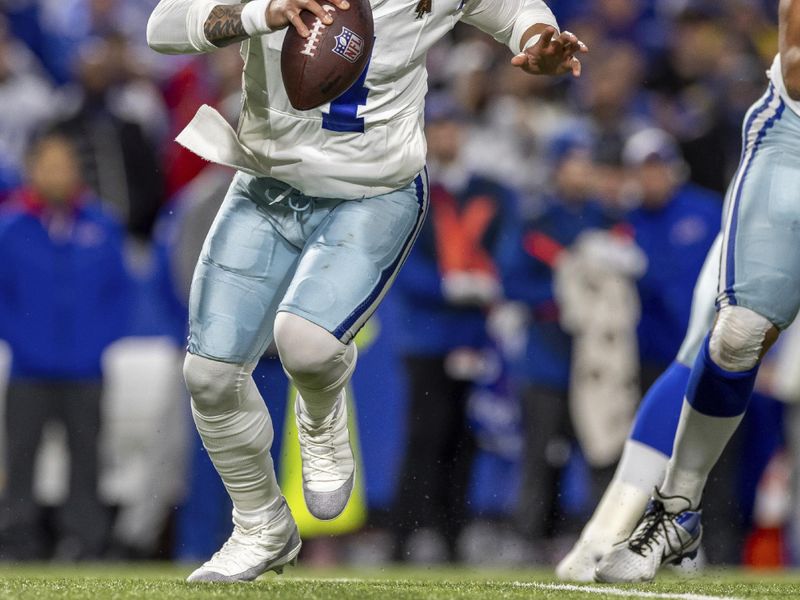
[349, 45]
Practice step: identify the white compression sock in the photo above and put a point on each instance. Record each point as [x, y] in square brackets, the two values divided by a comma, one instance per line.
[236, 430]
[318, 404]
[318, 364]
[699, 442]
[640, 469]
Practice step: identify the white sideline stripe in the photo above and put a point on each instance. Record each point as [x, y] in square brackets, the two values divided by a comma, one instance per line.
[612, 591]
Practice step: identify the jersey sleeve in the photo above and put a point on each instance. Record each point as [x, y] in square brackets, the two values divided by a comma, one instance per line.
[507, 20]
[177, 26]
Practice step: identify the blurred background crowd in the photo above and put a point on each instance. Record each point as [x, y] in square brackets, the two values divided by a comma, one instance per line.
[496, 385]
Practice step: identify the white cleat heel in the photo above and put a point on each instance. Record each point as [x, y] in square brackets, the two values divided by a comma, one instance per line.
[253, 550]
[580, 564]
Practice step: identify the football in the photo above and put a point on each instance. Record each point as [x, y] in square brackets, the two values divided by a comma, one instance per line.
[319, 68]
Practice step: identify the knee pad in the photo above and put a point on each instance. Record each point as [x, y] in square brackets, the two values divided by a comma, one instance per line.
[311, 356]
[216, 387]
[738, 338]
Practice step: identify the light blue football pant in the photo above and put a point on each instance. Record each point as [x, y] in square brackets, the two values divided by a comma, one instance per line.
[703, 310]
[760, 266]
[273, 249]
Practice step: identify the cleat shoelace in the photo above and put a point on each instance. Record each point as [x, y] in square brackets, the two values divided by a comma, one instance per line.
[647, 529]
[655, 524]
[319, 444]
[319, 447]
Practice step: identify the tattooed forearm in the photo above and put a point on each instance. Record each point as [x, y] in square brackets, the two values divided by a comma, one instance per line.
[224, 25]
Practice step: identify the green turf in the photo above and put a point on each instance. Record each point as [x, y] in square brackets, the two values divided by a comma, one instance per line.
[123, 582]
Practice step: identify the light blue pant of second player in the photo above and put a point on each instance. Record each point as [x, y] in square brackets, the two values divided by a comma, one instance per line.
[760, 266]
[273, 249]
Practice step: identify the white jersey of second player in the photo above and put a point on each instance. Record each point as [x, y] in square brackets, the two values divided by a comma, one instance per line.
[369, 141]
[775, 75]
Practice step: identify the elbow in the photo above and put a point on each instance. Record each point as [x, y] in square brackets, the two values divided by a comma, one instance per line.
[168, 31]
[152, 34]
[157, 34]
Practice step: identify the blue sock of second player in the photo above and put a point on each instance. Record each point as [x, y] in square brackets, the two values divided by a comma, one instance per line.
[658, 414]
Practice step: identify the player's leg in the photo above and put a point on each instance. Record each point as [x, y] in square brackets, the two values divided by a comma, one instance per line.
[346, 268]
[760, 292]
[320, 366]
[240, 278]
[759, 295]
[649, 446]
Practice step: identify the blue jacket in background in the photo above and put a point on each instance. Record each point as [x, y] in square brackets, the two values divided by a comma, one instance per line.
[430, 325]
[676, 239]
[528, 278]
[64, 293]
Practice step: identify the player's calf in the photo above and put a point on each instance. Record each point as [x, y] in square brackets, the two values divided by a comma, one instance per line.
[319, 365]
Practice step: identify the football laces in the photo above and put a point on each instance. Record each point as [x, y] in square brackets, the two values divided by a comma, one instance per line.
[316, 29]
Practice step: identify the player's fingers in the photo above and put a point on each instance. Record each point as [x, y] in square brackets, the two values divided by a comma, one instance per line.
[343, 4]
[554, 48]
[575, 66]
[297, 22]
[567, 37]
[574, 45]
[547, 36]
[569, 41]
[569, 49]
[524, 62]
[319, 12]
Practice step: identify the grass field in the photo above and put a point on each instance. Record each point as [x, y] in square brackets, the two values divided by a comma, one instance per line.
[122, 582]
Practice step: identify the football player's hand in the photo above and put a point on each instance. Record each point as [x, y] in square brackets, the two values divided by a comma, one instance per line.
[282, 13]
[552, 54]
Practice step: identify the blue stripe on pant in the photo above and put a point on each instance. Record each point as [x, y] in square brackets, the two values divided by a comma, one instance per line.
[350, 326]
[763, 116]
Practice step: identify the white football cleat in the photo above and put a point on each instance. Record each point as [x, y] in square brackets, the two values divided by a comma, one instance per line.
[669, 531]
[253, 550]
[329, 468]
[580, 563]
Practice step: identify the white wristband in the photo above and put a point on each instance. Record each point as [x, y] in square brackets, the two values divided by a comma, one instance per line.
[254, 17]
[531, 41]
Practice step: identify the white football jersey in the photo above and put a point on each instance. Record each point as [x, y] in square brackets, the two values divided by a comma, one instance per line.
[775, 75]
[370, 140]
